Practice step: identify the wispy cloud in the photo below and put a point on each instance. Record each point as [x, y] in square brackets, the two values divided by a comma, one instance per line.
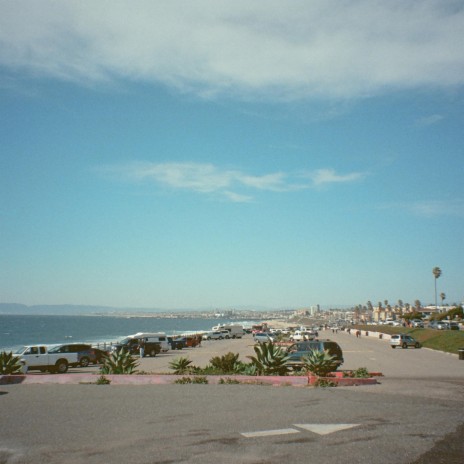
[230, 184]
[329, 176]
[432, 208]
[429, 120]
[253, 49]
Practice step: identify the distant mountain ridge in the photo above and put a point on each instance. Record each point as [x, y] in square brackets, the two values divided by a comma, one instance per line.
[66, 309]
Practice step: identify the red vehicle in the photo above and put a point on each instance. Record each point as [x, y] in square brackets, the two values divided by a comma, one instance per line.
[193, 341]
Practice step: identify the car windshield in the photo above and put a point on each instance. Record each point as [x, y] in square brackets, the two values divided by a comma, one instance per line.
[125, 341]
[21, 350]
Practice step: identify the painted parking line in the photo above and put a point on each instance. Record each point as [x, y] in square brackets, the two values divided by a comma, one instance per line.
[325, 429]
[320, 429]
[269, 433]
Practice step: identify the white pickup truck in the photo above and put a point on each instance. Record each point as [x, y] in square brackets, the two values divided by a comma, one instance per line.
[38, 358]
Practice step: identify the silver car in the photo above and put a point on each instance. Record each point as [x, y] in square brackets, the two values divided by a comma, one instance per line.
[405, 341]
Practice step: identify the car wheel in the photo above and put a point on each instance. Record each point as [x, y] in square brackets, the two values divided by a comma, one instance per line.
[209, 338]
[220, 338]
[84, 362]
[153, 353]
[61, 367]
[404, 346]
[417, 345]
[393, 346]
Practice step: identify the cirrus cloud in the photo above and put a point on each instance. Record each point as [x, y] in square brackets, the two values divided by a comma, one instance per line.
[230, 184]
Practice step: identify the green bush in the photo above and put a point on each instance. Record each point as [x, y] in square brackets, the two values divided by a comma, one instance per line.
[324, 383]
[228, 381]
[270, 359]
[359, 373]
[119, 362]
[181, 365]
[9, 364]
[319, 362]
[225, 364]
[102, 380]
[197, 379]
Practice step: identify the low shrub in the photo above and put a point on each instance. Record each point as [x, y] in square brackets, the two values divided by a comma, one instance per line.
[361, 373]
[228, 381]
[196, 379]
[102, 380]
[225, 364]
[324, 383]
[181, 365]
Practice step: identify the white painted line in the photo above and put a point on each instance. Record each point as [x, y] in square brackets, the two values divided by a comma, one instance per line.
[325, 429]
[269, 433]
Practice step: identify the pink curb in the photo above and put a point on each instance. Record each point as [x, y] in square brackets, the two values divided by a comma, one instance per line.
[75, 379]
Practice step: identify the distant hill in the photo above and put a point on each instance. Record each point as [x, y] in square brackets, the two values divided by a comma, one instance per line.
[63, 310]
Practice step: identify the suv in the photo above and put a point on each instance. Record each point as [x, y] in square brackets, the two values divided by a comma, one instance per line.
[299, 350]
[177, 343]
[404, 341]
[264, 337]
[132, 345]
[85, 353]
[218, 335]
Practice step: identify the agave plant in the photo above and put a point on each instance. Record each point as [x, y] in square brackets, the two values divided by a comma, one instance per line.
[9, 364]
[270, 359]
[119, 362]
[319, 362]
[181, 365]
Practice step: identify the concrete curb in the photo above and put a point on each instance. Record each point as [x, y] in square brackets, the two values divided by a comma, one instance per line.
[76, 379]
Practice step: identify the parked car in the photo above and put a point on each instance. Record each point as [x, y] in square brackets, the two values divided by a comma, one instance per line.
[453, 326]
[299, 350]
[177, 343]
[301, 335]
[405, 341]
[45, 358]
[193, 340]
[263, 337]
[131, 344]
[417, 323]
[217, 335]
[85, 353]
[443, 325]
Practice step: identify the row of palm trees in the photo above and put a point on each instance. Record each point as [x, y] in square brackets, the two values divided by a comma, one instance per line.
[401, 307]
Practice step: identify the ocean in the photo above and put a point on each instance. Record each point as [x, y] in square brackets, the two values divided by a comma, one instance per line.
[16, 331]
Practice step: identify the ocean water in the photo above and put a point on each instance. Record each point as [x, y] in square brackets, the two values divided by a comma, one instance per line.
[16, 331]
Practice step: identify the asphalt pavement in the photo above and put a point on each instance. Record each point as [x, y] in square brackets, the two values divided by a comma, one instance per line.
[414, 415]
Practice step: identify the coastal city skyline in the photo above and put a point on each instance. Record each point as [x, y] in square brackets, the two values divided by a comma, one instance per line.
[217, 155]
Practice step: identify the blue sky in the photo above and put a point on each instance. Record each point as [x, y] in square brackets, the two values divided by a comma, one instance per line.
[225, 155]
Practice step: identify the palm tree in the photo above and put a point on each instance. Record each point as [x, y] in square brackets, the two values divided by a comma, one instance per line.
[442, 296]
[437, 273]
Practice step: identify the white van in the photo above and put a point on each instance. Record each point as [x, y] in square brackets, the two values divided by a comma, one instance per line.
[235, 330]
[159, 337]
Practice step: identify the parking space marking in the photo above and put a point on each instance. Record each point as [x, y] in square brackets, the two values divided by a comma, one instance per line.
[325, 429]
[269, 433]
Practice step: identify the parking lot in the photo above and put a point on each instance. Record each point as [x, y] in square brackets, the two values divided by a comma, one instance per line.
[416, 407]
